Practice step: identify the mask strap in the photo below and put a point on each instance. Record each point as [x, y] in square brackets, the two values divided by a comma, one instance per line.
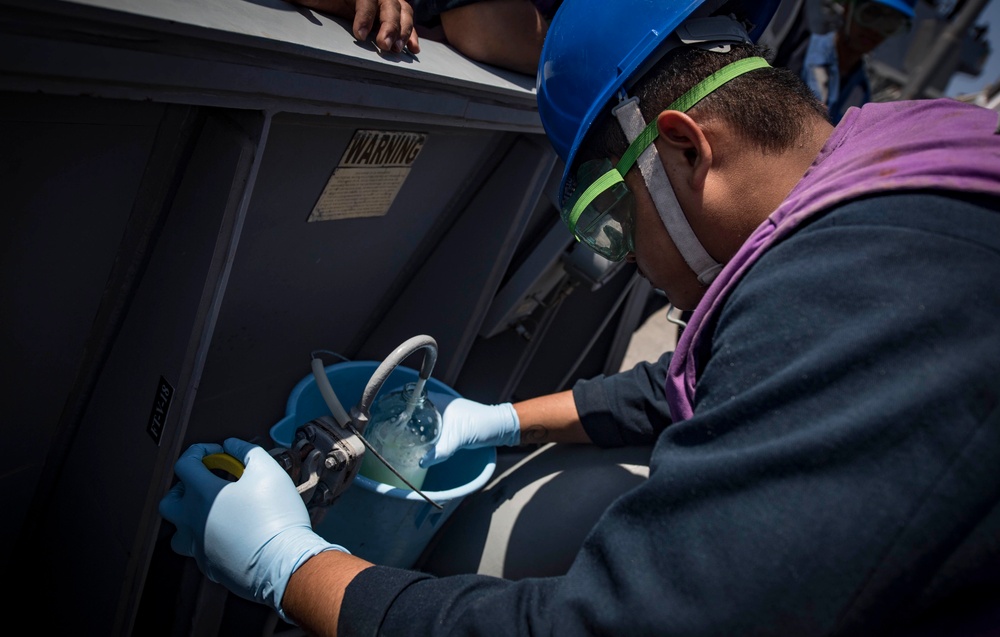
[700, 262]
[641, 136]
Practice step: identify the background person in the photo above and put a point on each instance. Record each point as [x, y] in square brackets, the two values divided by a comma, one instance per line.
[833, 63]
[826, 461]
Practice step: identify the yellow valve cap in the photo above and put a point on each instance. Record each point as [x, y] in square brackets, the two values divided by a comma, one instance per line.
[224, 462]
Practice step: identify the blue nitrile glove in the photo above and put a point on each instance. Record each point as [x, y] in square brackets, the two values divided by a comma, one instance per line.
[466, 424]
[249, 535]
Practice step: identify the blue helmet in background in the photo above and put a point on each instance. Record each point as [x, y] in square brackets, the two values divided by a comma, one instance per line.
[594, 48]
[906, 7]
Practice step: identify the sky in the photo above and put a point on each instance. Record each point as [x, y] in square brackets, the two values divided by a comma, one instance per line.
[962, 83]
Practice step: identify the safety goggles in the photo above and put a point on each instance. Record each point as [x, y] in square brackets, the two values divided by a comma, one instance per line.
[879, 17]
[600, 209]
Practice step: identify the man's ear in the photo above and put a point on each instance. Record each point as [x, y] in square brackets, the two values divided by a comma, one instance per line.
[682, 134]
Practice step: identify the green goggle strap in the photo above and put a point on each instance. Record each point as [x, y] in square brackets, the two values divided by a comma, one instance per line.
[683, 103]
[599, 185]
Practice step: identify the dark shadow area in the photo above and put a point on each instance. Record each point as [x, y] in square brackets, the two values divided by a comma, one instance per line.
[532, 521]
[551, 527]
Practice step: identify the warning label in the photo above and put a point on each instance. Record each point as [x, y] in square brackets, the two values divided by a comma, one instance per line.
[369, 175]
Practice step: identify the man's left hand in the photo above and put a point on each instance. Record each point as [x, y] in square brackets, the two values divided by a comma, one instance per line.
[249, 535]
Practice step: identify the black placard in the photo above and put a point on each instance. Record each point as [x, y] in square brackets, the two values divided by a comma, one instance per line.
[161, 405]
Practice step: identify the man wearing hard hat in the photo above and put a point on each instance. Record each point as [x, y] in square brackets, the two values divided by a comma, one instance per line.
[826, 440]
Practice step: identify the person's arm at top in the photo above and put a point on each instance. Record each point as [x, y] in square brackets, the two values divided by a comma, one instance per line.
[393, 17]
[505, 33]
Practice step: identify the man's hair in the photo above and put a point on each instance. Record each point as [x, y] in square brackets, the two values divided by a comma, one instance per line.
[768, 107]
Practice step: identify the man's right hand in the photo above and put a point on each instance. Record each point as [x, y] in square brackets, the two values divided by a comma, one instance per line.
[393, 17]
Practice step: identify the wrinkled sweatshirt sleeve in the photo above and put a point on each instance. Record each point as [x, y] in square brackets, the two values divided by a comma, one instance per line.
[624, 409]
[431, 605]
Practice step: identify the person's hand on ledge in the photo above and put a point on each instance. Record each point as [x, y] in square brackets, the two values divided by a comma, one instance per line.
[394, 19]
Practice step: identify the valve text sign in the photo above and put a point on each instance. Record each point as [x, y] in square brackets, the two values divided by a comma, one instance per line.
[370, 174]
[161, 406]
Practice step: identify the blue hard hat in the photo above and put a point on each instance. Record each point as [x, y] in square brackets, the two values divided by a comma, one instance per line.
[594, 47]
[903, 6]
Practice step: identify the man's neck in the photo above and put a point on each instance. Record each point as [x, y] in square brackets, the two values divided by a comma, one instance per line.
[756, 183]
[796, 161]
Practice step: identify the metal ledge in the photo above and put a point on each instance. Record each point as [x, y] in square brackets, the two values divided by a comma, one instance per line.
[253, 54]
